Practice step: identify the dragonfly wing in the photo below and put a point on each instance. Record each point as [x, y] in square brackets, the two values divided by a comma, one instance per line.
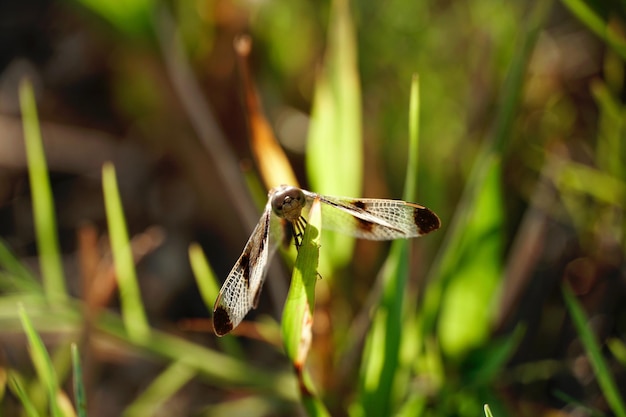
[240, 292]
[376, 219]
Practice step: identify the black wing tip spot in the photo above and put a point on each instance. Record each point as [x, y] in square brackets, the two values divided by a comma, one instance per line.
[221, 321]
[426, 220]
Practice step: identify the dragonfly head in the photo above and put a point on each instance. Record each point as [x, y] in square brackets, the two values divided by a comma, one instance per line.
[287, 202]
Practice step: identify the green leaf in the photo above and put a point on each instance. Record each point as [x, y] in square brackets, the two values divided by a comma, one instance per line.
[205, 277]
[43, 203]
[465, 307]
[590, 343]
[133, 312]
[209, 289]
[162, 388]
[133, 17]
[43, 363]
[18, 277]
[594, 22]
[79, 386]
[334, 156]
[383, 343]
[453, 252]
[17, 387]
[298, 313]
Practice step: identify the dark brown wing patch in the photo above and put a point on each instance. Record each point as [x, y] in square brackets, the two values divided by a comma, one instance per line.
[426, 220]
[221, 321]
[245, 269]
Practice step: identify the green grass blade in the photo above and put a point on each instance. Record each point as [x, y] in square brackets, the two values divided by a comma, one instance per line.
[42, 362]
[618, 349]
[43, 203]
[133, 312]
[336, 120]
[17, 387]
[594, 22]
[487, 411]
[18, 277]
[334, 157]
[205, 277]
[383, 344]
[298, 313]
[449, 256]
[209, 289]
[590, 343]
[382, 348]
[473, 279]
[249, 406]
[134, 18]
[79, 386]
[412, 172]
[160, 390]
[231, 372]
[609, 148]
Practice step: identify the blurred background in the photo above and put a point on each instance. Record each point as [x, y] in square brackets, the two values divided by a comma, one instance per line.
[521, 155]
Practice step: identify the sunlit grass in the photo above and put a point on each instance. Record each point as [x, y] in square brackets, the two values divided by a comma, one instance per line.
[132, 306]
[380, 365]
[601, 369]
[43, 365]
[80, 395]
[43, 206]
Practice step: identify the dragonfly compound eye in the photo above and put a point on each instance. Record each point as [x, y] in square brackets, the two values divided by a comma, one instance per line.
[288, 202]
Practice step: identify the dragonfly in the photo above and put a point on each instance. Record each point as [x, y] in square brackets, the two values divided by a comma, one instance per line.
[364, 218]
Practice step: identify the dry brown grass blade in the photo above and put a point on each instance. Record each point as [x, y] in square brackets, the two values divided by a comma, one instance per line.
[97, 270]
[269, 156]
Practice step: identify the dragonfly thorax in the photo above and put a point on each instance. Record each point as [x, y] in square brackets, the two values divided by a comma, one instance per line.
[287, 202]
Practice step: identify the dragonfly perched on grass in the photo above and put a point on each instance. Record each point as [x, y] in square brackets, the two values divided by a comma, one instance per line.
[364, 218]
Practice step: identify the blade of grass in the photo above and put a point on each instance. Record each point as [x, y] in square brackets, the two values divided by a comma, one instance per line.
[133, 312]
[43, 203]
[412, 172]
[42, 362]
[594, 22]
[17, 387]
[231, 372]
[590, 343]
[14, 267]
[609, 148]
[298, 314]
[334, 157]
[249, 406]
[449, 255]
[382, 349]
[134, 18]
[162, 388]
[269, 156]
[205, 278]
[465, 309]
[618, 349]
[209, 289]
[79, 386]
